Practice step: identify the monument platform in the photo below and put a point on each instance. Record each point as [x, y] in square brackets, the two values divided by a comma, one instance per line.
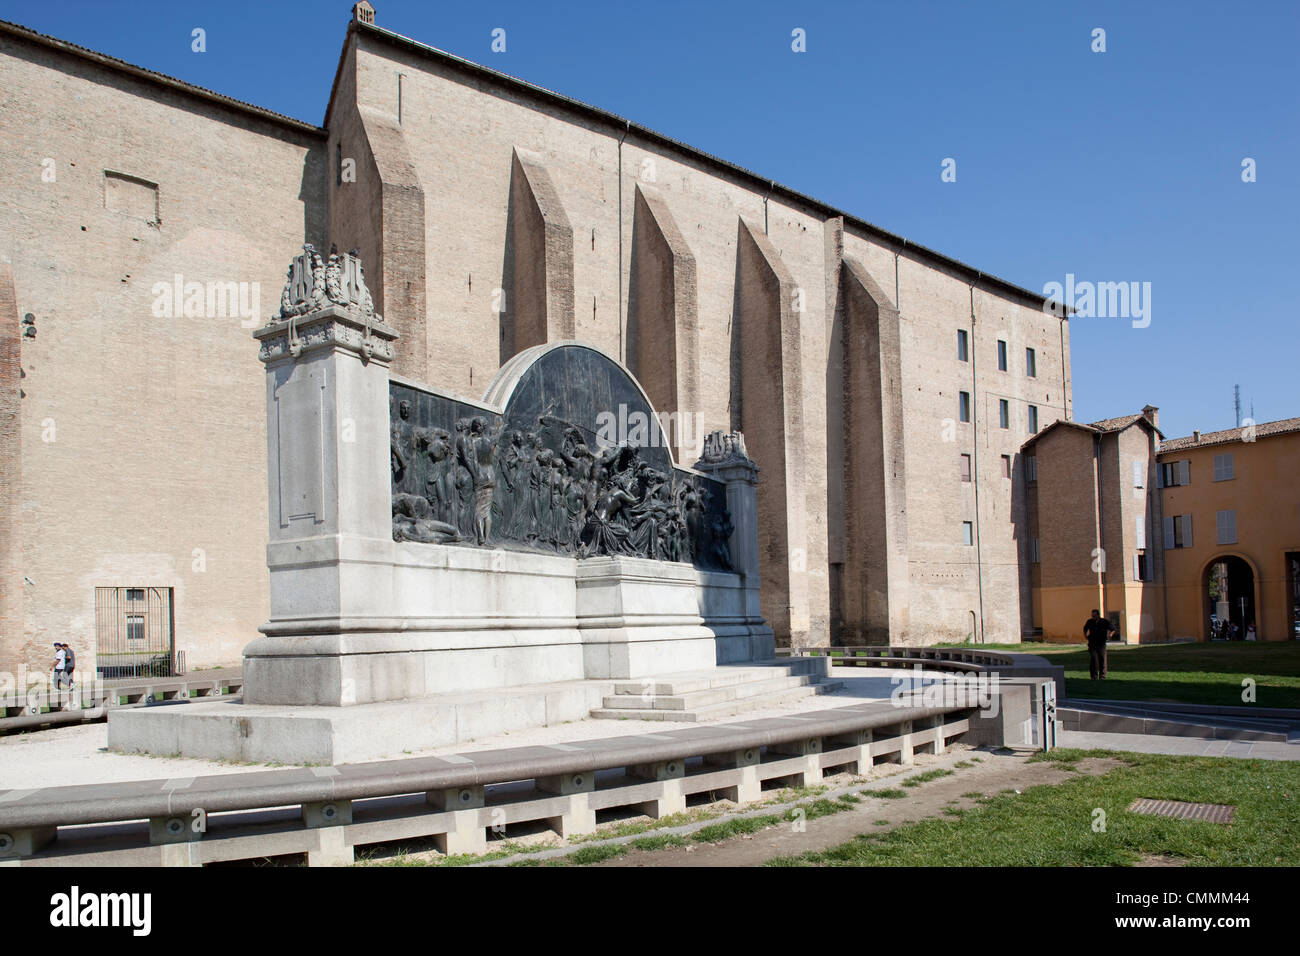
[312, 734]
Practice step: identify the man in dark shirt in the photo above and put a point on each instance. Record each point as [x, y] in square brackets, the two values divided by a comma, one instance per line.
[1097, 630]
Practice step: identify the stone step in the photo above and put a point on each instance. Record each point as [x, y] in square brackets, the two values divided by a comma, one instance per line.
[670, 685]
[707, 696]
[722, 709]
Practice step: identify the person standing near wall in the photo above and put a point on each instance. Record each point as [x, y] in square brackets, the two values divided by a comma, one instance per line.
[60, 666]
[1097, 631]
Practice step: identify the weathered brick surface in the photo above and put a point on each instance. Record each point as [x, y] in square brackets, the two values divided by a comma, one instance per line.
[143, 436]
[11, 476]
[169, 415]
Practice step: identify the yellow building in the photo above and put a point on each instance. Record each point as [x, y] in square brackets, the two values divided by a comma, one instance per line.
[1231, 536]
[1194, 537]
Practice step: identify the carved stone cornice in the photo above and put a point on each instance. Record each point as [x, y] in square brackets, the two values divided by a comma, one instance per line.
[725, 457]
[330, 327]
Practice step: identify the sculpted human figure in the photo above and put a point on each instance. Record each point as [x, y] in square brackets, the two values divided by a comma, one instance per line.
[463, 478]
[513, 475]
[482, 444]
[413, 521]
[438, 486]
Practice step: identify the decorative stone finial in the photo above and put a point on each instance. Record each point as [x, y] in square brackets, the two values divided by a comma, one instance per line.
[314, 283]
[326, 303]
[724, 447]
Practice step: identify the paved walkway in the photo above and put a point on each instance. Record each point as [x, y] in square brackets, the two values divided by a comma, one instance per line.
[1182, 746]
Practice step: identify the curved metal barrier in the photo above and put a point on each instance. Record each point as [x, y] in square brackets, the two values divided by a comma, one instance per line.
[324, 812]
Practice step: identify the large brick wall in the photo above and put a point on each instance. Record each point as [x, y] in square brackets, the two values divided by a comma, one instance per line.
[143, 435]
[12, 650]
[491, 215]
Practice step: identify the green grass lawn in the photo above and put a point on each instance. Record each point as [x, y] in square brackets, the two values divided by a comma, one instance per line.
[1053, 825]
[1184, 673]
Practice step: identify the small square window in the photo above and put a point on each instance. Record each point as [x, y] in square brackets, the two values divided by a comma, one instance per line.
[135, 594]
[1031, 363]
[963, 352]
[1002, 356]
[965, 467]
[963, 406]
[1006, 466]
[967, 533]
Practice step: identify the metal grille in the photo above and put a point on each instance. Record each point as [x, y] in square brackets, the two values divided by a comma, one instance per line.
[133, 632]
[1210, 812]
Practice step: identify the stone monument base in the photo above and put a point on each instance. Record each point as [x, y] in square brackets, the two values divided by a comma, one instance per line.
[325, 736]
[430, 619]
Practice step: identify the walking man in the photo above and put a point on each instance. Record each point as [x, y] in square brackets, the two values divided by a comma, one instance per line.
[1097, 631]
[69, 665]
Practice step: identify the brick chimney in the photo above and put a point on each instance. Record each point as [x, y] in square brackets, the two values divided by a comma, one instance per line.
[1152, 414]
[1196, 435]
[364, 12]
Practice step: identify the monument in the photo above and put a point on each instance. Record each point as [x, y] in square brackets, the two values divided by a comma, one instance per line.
[511, 544]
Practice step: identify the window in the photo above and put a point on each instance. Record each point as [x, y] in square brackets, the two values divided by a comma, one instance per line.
[1031, 363]
[1031, 468]
[1141, 535]
[1002, 356]
[963, 406]
[1178, 532]
[1223, 467]
[1175, 473]
[1138, 476]
[962, 353]
[1033, 419]
[1006, 466]
[1141, 568]
[967, 533]
[135, 594]
[1004, 413]
[965, 467]
[135, 627]
[1035, 556]
[1226, 522]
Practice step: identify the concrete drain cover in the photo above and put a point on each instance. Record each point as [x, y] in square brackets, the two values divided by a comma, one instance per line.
[1211, 812]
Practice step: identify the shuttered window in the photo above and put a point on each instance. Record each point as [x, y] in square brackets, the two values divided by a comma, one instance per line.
[1226, 522]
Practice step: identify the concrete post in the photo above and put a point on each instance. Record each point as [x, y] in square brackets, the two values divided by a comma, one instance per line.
[749, 786]
[327, 435]
[466, 833]
[725, 460]
[578, 817]
[670, 775]
[811, 750]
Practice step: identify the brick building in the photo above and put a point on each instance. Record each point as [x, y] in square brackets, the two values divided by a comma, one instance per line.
[1165, 536]
[884, 388]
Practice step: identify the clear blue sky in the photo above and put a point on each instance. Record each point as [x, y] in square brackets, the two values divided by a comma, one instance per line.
[1115, 166]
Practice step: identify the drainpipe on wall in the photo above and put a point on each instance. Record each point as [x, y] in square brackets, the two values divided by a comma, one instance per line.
[1065, 394]
[1101, 524]
[975, 463]
[771, 185]
[626, 128]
